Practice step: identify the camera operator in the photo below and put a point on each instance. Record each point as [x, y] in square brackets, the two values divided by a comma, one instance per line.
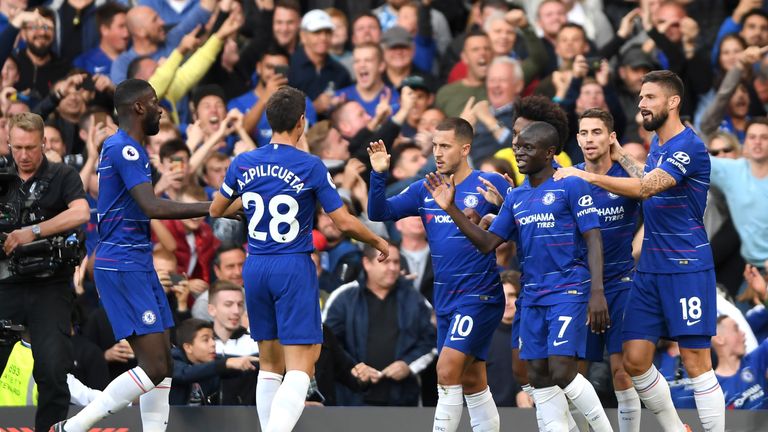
[40, 203]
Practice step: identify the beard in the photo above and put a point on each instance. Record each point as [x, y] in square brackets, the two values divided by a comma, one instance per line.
[39, 50]
[656, 121]
[151, 123]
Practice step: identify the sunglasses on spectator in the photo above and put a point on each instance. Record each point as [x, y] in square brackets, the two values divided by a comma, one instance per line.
[718, 151]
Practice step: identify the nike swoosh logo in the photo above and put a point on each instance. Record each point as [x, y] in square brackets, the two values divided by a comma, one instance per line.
[428, 199]
[146, 165]
[558, 343]
[516, 205]
[457, 339]
[690, 323]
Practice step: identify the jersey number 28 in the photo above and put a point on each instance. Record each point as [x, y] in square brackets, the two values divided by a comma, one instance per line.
[289, 207]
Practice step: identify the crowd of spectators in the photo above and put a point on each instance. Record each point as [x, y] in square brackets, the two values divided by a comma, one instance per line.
[385, 70]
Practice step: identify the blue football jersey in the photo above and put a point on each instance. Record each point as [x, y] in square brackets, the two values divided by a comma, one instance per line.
[675, 240]
[549, 221]
[124, 235]
[746, 389]
[462, 274]
[263, 132]
[618, 221]
[280, 186]
[351, 94]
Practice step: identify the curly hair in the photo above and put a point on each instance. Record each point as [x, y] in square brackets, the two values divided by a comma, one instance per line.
[540, 108]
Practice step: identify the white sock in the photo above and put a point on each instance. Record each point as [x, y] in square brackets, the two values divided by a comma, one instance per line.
[119, 393]
[267, 385]
[450, 404]
[288, 403]
[710, 402]
[576, 420]
[583, 395]
[654, 392]
[154, 407]
[629, 410]
[552, 406]
[483, 415]
[528, 389]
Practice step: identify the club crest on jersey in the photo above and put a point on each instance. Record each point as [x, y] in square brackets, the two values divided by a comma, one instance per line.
[747, 375]
[148, 317]
[130, 153]
[612, 195]
[470, 201]
[548, 198]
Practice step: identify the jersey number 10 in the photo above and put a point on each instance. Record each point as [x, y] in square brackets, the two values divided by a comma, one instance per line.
[252, 200]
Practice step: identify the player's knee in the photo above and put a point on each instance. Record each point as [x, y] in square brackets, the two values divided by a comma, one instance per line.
[562, 376]
[158, 370]
[634, 365]
[621, 378]
[448, 374]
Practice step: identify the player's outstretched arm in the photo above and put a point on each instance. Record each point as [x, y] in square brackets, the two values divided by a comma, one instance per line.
[597, 309]
[158, 208]
[654, 182]
[222, 206]
[352, 227]
[444, 192]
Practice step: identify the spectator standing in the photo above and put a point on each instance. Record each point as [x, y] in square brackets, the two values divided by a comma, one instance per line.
[113, 40]
[477, 54]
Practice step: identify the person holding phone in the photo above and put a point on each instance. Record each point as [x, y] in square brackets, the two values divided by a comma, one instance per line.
[272, 70]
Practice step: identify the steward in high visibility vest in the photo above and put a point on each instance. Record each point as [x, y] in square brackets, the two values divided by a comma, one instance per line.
[17, 386]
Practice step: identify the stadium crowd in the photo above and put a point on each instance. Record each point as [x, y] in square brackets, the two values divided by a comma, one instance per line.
[383, 70]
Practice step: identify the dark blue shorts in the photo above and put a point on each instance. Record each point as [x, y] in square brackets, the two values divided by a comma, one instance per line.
[553, 330]
[134, 301]
[681, 306]
[283, 299]
[616, 296]
[469, 328]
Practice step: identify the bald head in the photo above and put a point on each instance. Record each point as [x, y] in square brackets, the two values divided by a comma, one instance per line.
[542, 135]
[145, 24]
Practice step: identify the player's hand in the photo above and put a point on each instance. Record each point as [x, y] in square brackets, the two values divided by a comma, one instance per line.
[397, 371]
[564, 172]
[244, 363]
[377, 152]
[121, 352]
[17, 238]
[383, 247]
[490, 193]
[197, 286]
[616, 151]
[442, 190]
[486, 221]
[598, 318]
[472, 215]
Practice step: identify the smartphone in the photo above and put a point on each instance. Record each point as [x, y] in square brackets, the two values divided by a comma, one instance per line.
[99, 117]
[177, 164]
[594, 63]
[176, 278]
[87, 84]
[282, 70]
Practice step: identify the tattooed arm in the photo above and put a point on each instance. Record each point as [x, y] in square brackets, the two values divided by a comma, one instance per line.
[634, 168]
[645, 187]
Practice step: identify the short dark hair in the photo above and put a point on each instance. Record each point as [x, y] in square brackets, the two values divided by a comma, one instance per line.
[475, 32]
[511, 277]
[496, 4]
[129, 91]
[273, 49]
[667, 79]
[285, 108]
[133, 66]
[217, 156]
[187, 330]
[171, 147]
[756, 120]
[107, 12]
[293, 5]
[397, 152]
[542, 134]
[540, 108]
[222, 285]
[376, 47]
[365, 14]
[598, 113]
[224, 248]
[206, 90]
[753, 12]
[461, 128]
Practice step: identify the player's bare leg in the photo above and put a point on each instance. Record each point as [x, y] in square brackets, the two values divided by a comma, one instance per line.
[288, 403]
[153, 353]
[710, 402]
[629, 402]
[650, 385]
[564, 373]
[551, 403]
[271, 371]
[520, 372]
